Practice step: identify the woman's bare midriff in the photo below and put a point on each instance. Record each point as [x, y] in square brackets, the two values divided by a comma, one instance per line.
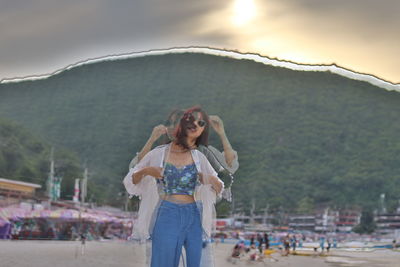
[179, 198]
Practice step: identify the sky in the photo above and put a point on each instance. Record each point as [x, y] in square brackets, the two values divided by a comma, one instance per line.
[42, 36]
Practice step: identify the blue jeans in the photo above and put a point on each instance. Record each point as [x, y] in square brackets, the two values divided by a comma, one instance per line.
[176, 225]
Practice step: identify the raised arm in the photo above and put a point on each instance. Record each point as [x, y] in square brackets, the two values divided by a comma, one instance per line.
[218, 126]
[158, 131]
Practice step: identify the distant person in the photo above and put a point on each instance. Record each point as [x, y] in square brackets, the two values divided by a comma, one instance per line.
[294, 242]
[322, 243]
[236, 251]
[329, 245]
[178, 187]
[252, 239]
[266, 240]
[286, 245]
[260, 242]
[253, 253]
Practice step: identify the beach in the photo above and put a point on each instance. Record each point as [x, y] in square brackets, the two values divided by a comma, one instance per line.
[17, 253]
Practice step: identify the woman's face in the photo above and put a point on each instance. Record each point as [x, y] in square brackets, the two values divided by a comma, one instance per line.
[196, 126]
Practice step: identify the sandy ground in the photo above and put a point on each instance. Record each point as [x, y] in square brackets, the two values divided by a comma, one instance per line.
[121, 254]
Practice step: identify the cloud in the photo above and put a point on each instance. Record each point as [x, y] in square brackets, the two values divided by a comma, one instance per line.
[371, 16]
[49, 32]
[45, 35]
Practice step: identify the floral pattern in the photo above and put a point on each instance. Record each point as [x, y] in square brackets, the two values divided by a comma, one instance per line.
[180, 180]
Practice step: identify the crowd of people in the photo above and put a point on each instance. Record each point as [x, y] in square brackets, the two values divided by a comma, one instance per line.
[256, 251]
[261, 246]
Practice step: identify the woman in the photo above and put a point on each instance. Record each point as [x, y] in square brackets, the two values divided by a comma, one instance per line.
[225, 163]
[178, 189]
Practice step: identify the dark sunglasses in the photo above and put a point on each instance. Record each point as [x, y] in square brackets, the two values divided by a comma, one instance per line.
[201, 123]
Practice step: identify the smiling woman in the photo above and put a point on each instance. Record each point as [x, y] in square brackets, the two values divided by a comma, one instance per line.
[243, 12]
[178, 189]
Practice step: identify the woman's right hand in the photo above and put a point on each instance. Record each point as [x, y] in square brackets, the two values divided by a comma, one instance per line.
[152, 171]
[217, 124]
[156, 172]
[157, 132]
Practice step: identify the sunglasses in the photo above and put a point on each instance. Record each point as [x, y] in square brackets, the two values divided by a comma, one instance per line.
[201, 123]
[190, 117]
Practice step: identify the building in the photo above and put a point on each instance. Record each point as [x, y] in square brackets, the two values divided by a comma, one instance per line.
[305, 222]
[325, 220]
[388, 223]
[12, 191]
[347, 220]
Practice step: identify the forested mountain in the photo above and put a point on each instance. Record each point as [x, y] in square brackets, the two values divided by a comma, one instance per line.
[303, 138]
[26, 157]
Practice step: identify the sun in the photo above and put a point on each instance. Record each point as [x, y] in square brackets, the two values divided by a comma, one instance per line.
[243, 12]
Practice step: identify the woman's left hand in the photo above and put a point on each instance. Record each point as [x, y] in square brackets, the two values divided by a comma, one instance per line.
[214, 181]
[201, 178]
[217, 124]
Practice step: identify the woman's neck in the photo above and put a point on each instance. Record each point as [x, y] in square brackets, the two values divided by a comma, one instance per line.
[191, 144]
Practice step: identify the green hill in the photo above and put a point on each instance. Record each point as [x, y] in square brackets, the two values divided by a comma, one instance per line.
[303, 138]
[26, 157]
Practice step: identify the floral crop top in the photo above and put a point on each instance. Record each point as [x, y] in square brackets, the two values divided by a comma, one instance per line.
[180, 181]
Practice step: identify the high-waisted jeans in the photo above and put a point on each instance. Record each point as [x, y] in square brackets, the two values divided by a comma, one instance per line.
[176, 225]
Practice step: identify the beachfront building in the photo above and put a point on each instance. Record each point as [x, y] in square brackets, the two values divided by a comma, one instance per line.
[322, 220]
[325, 220]
[255, 223]
[12, 191]
[303, 222]
[388, 223]
[347, 220]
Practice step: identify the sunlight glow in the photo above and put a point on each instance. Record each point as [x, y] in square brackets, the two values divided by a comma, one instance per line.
[243, 12]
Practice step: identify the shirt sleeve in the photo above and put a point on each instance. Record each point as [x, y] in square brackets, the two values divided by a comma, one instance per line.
[210, 155]
[134, 161]
[207, 170]
[221, 158]
[234, 164]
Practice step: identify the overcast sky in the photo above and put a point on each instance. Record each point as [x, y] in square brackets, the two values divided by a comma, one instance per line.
[41, 36]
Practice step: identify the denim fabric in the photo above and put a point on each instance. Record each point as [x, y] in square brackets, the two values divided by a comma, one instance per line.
[176, 225]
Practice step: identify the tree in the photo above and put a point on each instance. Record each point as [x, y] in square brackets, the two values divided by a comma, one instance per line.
[367, 224]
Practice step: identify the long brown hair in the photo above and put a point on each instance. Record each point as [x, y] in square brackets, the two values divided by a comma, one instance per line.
[186, 121]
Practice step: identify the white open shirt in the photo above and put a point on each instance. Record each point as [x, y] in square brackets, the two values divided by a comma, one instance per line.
[148, 192]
